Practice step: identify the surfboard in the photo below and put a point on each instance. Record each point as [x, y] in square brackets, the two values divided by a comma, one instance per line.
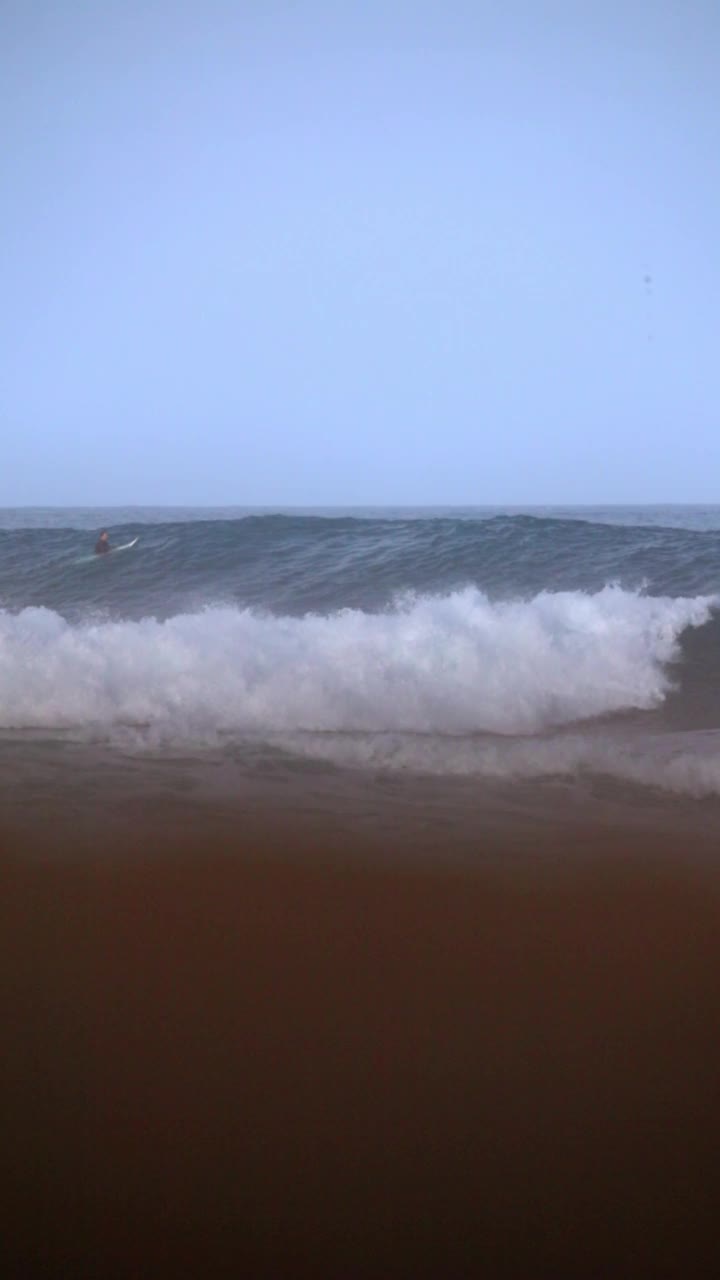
[124, 547]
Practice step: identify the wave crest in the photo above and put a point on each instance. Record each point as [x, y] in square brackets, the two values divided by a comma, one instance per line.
[453, 664]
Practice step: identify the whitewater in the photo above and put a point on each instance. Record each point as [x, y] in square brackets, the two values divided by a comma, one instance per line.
[488, 645]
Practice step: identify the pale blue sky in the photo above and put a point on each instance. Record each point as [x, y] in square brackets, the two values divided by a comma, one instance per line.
[319, 252]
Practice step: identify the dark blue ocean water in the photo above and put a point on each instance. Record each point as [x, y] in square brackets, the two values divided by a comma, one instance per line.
[481, 643]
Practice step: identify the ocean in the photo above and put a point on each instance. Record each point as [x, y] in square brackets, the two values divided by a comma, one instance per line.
[359, 892]
[445, 668]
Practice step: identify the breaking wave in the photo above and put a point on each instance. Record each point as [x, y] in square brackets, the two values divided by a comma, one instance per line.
[452, 664]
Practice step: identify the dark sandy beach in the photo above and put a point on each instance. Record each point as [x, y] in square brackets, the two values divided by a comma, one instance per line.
[245, 1055]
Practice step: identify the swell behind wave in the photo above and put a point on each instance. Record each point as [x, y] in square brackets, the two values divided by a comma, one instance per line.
[445, 665]
[293, 565]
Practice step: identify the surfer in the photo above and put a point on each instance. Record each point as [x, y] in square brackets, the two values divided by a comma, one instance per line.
[102, 545]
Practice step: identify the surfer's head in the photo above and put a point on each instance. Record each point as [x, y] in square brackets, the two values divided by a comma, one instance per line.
[104, 535]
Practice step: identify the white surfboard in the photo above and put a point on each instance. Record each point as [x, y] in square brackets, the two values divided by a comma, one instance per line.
[124, 547]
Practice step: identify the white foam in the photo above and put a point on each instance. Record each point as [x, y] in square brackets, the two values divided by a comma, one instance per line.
[456, 664]
[683, 763]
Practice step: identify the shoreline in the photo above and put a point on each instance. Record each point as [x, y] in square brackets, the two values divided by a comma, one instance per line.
[75, 799]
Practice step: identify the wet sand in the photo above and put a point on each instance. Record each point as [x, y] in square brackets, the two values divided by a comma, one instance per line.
[245, 1054]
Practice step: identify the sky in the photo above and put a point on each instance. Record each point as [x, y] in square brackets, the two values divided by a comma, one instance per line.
[316, 252]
